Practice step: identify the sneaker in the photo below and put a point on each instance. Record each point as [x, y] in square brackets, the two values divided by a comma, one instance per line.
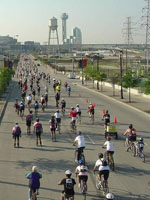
[79, 185]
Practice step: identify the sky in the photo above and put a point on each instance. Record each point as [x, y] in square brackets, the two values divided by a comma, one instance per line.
[100, 21]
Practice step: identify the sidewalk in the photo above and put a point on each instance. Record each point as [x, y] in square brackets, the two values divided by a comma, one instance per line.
[137, 101]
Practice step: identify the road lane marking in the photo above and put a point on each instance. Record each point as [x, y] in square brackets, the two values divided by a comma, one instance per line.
[90, 139]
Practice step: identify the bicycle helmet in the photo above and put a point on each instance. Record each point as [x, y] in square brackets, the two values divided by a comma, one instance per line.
[100, 155]
[68, 172]
[37, 119]
[34, 169]
[57, 110]
[79, 133]
[106, 111]
[109, 196]
[81, 162]
[77, 105]
[141, 138]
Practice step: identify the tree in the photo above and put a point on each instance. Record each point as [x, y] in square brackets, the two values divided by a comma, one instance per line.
[114, 77]
[146, 87]
[128, 81]
[100, 76]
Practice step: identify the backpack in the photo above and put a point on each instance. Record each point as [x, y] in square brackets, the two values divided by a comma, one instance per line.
[69, 184]
[34, 182]
[104, 162]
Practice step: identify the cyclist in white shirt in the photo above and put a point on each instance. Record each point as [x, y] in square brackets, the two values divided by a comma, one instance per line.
[102, 166]
[109, 146]
[80, 143]
[82, 173]
[58, 118]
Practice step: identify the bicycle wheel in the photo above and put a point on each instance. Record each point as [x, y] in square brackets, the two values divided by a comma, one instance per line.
[105, 188]
[143, 157]
[97, 183]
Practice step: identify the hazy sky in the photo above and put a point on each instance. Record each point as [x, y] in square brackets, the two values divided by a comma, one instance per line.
[101, 21]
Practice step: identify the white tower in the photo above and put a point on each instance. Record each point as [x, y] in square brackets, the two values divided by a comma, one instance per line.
[64, 18]
[53, 34]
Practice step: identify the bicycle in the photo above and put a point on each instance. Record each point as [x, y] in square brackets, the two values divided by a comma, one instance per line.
[63, 111]
[101, 185]
[33, 197]
[73, 126]
[43, 107]
[91, 116]
[110, 159]
[83, 188]
[79, 119]
[82, 157]
[131, 147]
[140, 154]
[58, 127]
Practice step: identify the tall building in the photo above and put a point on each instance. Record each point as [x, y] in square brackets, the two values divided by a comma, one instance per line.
[64, 18]
[77, 36]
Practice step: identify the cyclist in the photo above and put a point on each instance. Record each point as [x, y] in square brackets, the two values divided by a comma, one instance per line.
[58, 119]
[29, 119]
[63, 105]
[78, 110]
[103, 167]
[106, 118]
[16, 132]
[29, 100]
[91, 110]
[66, 84]
[80, 143]
[139, 145]
[38, 129]
[46, 97]
[73, 115]
[68, 183]
[38, 89]
[52, 123]
[82, 173]
[36, 107]
[16, 105]
[131, 134]
[33, 93]
[68, 90]
[22, 107]
[23, 95]
[43, 101]
[110, 196]
[34, 181]
[57, 97]
[109, 147]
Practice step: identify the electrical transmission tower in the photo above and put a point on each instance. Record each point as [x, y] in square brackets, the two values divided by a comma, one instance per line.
[128, 37]
[147, 25]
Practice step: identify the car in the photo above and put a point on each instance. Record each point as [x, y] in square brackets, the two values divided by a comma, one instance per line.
[71, 76]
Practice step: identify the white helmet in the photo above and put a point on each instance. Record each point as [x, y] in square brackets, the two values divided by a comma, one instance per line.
[110, 196]
[34, 169]
[68, 172]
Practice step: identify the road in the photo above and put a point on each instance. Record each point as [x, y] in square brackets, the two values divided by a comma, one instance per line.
[131, 177]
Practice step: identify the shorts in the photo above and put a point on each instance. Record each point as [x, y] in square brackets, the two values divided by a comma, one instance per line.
[84, 178]
[58, 120]
[110, 152]
[38, 133]
[105, 173]
[79, 113]
[28, 122]
[106, 122]
[29, 102]
[53, 129]
[132, 138]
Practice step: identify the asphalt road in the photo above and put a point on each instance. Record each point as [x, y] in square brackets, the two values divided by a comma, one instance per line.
[131, 177]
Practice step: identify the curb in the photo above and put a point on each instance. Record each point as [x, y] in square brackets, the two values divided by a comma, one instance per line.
[115, 100]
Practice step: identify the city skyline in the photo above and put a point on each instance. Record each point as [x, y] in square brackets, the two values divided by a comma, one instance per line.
[101, 21]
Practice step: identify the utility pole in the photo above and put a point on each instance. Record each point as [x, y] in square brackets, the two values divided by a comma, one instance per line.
[121, 63]
[147, 25]
[128, 37]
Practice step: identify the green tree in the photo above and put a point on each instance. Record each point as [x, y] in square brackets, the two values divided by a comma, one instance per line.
[100, 76]
[129, 81]
[146, 86]
[114, 78]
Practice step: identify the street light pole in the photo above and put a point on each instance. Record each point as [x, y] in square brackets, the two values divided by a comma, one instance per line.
[121, 61]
